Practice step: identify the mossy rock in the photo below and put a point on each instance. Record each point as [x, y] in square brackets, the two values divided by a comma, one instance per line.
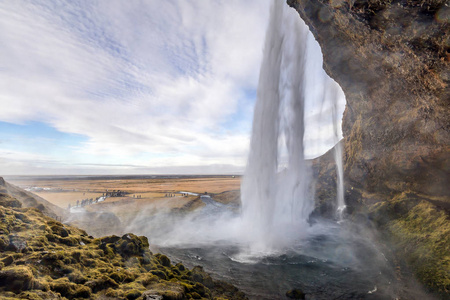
[200, 276]
[16, 278]
[102, 283]
[131, 245]
[63, 286]
[16, 243]
[420, 233]
[160, 274]
[77, 277]
[114, 293]
[38, 295]
[22, 217]
[3, 243]
[226, 290]
[133, 294]
[164, 260]
[62, 262]
[7, 260]
[8, 201]
[147, 279]
[122, 276]
[69, 241]
[110, 239]
[82, 292]
[181, 267]
[168, 290]
[195, 295]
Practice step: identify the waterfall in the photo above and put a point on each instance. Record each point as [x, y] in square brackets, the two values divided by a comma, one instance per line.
[276, 199]
[338, 160]
[333, 91]
[275, 204]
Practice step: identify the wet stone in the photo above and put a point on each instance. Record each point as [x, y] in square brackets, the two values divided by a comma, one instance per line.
[16, 243]
[151, 295]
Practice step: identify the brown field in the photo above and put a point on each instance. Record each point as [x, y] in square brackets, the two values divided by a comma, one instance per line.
[138, 191]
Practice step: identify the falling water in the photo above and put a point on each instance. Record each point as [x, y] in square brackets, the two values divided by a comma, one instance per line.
[340, 182]
[276, 204]
[333, 91]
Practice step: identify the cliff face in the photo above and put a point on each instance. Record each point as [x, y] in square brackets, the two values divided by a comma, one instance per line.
[391, 58]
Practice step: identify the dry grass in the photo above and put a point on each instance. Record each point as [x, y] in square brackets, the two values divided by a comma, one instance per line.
[150, 191]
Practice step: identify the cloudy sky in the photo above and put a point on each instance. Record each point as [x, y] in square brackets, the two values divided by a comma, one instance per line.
[131, 87]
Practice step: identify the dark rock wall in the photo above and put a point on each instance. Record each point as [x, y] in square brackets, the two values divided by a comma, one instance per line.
[392, 60]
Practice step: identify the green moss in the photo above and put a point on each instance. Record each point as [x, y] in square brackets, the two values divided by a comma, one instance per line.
[114, 293]
[63, 286]
[195, 295]
[69, 241]
[160, 274]
[421, 234]
[133, 294]
[108, 250]
[181, 267]
[42, 284]
[424, 235]
[61, 261]
[147, 279]
[122, 276]
[101, 283]
[82, 292]
[164, 260]
[77, 277]
[172, 295]
[16, 278]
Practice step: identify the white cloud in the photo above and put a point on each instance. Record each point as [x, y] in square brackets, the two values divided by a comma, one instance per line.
[149, 83]
[149, 77]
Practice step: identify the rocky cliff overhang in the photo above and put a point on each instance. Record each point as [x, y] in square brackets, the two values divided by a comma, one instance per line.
[392, 60]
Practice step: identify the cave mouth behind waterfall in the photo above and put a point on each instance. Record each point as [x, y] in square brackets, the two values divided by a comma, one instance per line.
[272, 244]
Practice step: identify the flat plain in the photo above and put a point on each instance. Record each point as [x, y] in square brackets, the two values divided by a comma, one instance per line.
[141, 190]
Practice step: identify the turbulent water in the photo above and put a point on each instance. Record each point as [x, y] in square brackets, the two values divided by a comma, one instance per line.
[332, 263]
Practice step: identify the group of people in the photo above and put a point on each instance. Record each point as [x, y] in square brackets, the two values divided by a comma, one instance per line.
[169, 195]
[115, 193]
[85, 202]
[105, 195]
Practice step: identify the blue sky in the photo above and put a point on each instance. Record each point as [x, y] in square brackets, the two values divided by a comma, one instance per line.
[130, 87]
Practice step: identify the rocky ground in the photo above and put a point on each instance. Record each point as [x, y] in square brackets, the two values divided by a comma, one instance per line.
[41, 258]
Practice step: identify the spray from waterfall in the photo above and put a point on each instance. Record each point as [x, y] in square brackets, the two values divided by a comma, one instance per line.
[277, 202]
